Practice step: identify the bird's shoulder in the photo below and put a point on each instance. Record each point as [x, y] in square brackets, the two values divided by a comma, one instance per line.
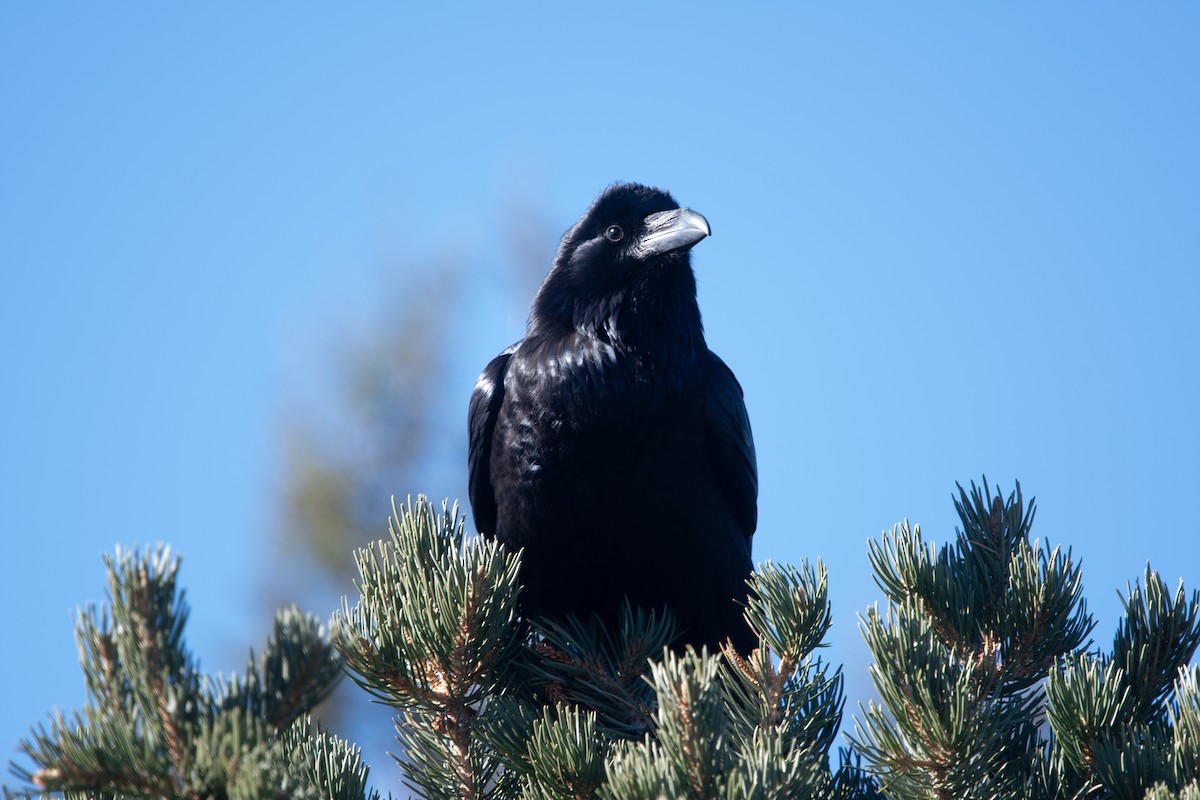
[731, 442]
[487, 399]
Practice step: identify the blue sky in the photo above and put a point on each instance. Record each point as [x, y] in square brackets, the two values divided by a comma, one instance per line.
[949, 240]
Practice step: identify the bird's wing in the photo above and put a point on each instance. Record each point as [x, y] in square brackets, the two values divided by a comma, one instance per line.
[731, 444]
[481, 424]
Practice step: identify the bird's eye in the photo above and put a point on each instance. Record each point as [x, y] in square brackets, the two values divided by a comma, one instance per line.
[614, 233]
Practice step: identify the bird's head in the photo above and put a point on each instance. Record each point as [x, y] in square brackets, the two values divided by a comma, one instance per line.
[633, 243]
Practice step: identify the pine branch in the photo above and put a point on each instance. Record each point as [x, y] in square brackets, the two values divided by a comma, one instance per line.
[298, 669]
[983, 640]
[1111, 714]
[1185, 724]
[583, 665]
[567, 754]
[781, 686]
[689, 752]
[1157, 637]
[432, 634]
[1163, 792]
[154, 728]
[970, 632]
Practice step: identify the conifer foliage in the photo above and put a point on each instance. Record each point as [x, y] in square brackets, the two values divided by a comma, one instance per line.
[155, 727]
[489, 708]
[989, 684]
[985, 640]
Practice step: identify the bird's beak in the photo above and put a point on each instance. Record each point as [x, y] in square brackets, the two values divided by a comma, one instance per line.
[668, 231]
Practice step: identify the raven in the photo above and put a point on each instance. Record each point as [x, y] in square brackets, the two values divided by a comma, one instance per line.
[610, 443]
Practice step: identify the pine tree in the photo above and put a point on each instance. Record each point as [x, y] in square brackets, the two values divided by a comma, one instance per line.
[989, 684]
[491, 709]
[988, 688]
[155, 727]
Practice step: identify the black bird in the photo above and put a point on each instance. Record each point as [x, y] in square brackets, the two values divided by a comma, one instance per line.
[610, 443]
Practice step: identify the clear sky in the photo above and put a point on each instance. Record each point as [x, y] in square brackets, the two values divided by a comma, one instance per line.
[949, 240]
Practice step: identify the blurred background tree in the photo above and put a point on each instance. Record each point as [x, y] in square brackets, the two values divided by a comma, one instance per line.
[387, 419]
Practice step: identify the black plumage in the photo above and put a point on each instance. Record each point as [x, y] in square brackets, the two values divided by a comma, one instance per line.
[610, 443]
